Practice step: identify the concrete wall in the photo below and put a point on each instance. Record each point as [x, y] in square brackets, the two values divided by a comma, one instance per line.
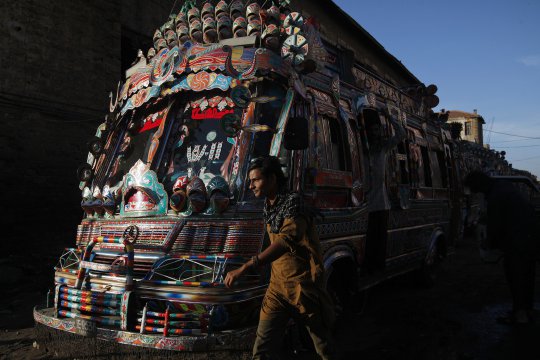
[59, 61]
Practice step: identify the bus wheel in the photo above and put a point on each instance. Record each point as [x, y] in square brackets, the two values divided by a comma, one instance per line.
[342, 286]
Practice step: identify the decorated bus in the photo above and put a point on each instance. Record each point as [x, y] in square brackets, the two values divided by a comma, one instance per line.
[167, 207]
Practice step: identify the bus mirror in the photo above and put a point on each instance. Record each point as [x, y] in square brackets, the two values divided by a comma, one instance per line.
[241, 96]
[296, 135]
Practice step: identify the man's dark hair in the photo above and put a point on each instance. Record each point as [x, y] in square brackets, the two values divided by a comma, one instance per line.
[477, 181]
[269, 165]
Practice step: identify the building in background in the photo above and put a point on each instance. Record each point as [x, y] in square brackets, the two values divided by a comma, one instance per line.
[472, 124]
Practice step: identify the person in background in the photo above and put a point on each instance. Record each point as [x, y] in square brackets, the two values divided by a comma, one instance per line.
[380, 145]
[510, 226]
[296, 288]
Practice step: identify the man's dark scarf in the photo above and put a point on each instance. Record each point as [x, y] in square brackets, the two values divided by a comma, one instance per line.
[289, 205]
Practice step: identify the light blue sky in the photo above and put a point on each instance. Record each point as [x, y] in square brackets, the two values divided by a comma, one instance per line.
[482, 54]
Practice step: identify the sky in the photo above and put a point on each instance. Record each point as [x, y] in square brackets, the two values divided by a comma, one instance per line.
[481, 54]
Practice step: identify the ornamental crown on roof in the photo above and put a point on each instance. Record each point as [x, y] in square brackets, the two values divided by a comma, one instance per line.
[234, 41]
[273, 26]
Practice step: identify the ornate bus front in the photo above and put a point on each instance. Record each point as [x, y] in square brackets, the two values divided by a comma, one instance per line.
[167, 208]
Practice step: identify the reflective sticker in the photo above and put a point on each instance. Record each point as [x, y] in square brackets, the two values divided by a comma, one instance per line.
[211, 136]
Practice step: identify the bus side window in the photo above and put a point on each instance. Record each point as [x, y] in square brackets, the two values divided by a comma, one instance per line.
[425, 171]
[357, 145]
[401, 157]
[337, 158]
[322, 148]
[438, 169]
[443, 168]
[268, 114]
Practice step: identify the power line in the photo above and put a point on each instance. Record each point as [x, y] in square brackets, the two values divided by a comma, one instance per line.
[507, 141]
[521, 146]
[533, 157]
[521, 136]
[490, 130]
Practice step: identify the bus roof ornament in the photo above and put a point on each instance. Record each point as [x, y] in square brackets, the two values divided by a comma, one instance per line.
[294, 50]
[431, 101]
[294, 19]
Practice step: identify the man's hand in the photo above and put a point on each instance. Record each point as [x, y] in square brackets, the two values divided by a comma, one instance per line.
[270, 254]
[233, 275]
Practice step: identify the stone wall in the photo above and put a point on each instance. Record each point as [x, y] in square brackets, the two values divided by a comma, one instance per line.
[59, 61]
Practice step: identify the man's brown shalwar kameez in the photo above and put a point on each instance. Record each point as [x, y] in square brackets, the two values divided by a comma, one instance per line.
[296, 286]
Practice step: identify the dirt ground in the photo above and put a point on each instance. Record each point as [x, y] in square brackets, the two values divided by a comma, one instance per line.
[454, 320]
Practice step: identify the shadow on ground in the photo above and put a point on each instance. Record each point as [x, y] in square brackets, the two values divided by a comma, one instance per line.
[453, 320]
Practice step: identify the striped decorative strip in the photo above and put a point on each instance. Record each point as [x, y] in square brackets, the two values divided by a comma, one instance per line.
[96, 287]
[89, 300]
[210, 257]
[150, 329]
[66, 271]
[238, 237]
[110, 239]
[183, 283]
[86, 232]
[186, 331]
[102, 267]
[153, 233]
[128, 247]
[98, 319]
[172, 331]
[90, 308]
[89, 294]
[176, 324]
[177, 315]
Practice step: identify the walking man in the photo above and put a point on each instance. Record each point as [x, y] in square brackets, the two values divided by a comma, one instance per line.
[296, 282]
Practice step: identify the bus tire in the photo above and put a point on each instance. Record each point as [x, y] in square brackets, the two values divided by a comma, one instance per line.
[342, 286]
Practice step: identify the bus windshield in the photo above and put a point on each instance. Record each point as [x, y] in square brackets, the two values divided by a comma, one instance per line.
[200, 146]
[140, 142]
